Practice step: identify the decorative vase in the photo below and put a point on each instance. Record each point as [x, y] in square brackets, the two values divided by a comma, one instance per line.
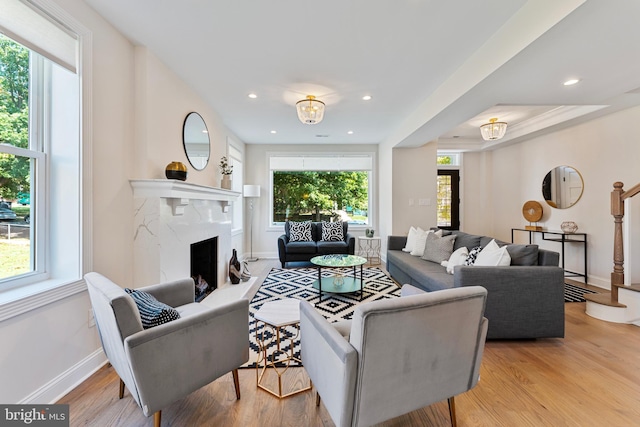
[176, 170]
[569, 227]
[226, 182]
[234, 269]
[369, 232]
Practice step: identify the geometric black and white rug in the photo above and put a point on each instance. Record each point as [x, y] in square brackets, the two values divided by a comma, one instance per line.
[573, 293]
[297, 283]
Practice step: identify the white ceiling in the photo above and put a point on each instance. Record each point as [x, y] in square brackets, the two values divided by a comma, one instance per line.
[436, 69]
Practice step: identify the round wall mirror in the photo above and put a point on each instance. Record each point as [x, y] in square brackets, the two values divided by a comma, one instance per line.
[562, 187]
[195, 137]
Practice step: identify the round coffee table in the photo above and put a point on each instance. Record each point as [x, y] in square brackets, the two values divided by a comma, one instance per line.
[338, 283]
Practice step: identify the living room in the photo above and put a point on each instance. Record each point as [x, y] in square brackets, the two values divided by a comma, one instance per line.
[136, 105]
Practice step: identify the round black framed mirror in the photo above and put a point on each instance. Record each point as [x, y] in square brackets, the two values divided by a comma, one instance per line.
[562, 187]
[195, 138]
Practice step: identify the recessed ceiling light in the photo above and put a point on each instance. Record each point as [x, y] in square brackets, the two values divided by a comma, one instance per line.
[273, 131]
[253, 96]
[366, 97]
[571, 82]
[350, 132]
[205, 131]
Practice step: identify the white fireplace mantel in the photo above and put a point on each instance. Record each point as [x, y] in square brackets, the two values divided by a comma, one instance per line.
[179, 193]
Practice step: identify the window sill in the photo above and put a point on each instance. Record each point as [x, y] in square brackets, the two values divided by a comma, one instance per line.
[20, 300]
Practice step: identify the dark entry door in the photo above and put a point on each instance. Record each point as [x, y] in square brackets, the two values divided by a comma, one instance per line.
[449, 199]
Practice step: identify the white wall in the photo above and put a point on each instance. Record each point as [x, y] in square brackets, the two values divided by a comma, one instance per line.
[162, 103]
[265, 237]
[605, 150]
[45, 351]
[137, 107]
[415, 174]
[385, 194]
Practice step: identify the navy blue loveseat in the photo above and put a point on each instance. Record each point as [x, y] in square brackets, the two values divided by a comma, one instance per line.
[304, 251]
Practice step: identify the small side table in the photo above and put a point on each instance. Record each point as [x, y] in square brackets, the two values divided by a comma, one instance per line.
[370, 247]
[274, 317]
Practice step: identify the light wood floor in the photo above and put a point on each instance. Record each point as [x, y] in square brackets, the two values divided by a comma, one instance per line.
[589, 378]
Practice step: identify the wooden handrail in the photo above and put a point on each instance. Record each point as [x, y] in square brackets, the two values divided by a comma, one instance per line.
[631, 192]
[618, 196]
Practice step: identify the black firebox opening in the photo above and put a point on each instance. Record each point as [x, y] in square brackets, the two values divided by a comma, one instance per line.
[204, 266]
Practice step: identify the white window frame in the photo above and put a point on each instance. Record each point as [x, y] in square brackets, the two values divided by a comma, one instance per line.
[23, 296]
[457, 159]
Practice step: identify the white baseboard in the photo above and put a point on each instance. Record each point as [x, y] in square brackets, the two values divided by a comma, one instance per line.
[597, 281]
[58, 387]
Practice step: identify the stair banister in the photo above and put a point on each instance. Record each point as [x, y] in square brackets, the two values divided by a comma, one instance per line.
[618, 196]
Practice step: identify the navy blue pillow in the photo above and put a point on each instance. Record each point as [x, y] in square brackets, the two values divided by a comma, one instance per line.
[152, 311]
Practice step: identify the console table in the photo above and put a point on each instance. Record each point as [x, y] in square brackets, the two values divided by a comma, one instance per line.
[562, 238]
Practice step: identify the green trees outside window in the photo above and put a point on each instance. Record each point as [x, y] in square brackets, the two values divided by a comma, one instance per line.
[318, 196]
[14, 117]
[15, 180]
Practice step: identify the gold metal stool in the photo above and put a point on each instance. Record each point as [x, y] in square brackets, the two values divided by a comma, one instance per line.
[276, 316]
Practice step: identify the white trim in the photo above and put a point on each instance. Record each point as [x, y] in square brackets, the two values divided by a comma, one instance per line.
[321, 162]
[20, 300]
[171, 189]
[62, 384]
[85, 71]
[236, 157]
[40, 31]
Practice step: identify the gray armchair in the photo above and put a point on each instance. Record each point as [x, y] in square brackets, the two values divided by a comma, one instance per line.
[396, 355]
[167, 362]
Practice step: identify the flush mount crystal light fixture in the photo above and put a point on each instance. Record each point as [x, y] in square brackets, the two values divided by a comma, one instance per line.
[493, 130]
[310, 110]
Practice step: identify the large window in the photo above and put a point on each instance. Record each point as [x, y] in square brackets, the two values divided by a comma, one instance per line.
[39, 166]
[321, 188]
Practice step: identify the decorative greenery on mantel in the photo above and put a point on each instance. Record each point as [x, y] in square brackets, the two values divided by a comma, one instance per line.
[225, 167]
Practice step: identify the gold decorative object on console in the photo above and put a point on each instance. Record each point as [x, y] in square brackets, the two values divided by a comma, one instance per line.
[176, 170]
[532, 212]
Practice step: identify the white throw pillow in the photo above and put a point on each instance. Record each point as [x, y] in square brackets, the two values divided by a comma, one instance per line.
[458, 257]
[493, 255]
[491, 246]
[411, 239]
[421, 241]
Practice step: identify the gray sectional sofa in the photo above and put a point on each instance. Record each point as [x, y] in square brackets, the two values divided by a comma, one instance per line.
[525, 299]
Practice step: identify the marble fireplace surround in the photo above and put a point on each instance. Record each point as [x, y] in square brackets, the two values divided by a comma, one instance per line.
[169, 216]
